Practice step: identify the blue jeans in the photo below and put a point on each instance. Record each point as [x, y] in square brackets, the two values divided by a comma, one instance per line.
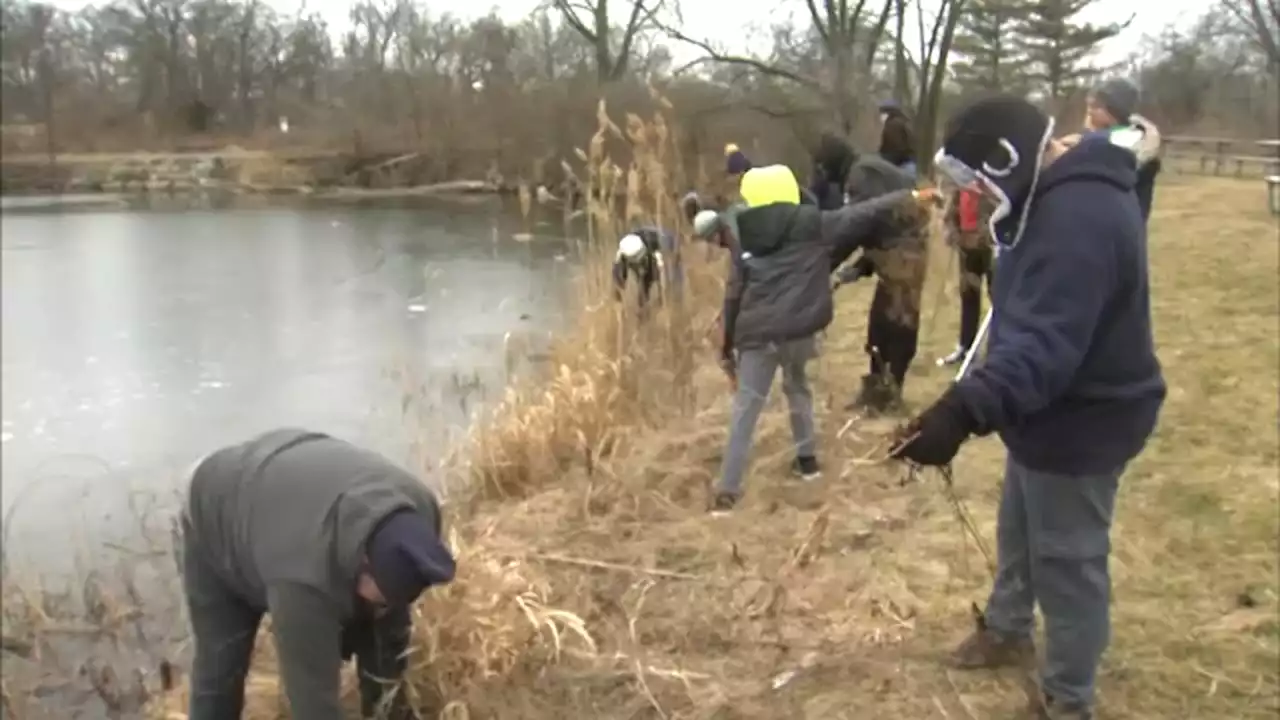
[756, 368]
[1053, 542]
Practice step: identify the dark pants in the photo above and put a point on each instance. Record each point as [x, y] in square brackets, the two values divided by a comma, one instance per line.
[1146, 186]
[891, 342]
[975, 270]
[224, 628]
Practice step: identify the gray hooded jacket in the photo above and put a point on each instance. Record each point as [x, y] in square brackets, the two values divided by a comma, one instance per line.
[283, 518]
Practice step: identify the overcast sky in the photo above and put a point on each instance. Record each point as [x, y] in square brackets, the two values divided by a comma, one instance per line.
[739, 25]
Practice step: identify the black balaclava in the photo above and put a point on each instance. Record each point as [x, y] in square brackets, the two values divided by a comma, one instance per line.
[999, 142]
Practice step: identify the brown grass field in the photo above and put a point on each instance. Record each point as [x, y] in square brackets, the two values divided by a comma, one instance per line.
[593, 584]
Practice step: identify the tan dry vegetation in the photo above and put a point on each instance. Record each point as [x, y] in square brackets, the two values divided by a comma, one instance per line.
[592, 583]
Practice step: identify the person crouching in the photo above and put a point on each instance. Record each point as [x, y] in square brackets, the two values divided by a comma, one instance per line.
[334, 542]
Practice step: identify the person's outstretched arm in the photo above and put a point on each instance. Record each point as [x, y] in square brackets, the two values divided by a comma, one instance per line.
[849, 228]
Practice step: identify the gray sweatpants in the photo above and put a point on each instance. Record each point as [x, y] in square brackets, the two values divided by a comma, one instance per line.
[1053, 541]
[756, 368]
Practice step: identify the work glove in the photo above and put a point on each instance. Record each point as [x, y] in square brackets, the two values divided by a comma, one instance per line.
[934, 436]
[855, 271]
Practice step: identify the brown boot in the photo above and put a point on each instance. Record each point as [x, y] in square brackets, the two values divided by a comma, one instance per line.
[987, 649]
[878, 396]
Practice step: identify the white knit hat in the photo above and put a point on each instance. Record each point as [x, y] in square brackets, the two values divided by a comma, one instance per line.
[705, 223]
[632, 247]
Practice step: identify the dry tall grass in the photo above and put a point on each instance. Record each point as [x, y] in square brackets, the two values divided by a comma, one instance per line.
[592, 584]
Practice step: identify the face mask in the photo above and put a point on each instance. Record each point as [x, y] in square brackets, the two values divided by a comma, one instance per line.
[994, 181]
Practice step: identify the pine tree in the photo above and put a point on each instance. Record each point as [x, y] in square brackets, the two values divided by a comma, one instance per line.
[989, 56]
[1056, 47]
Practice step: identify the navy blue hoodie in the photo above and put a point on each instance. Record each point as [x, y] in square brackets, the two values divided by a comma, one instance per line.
[1071, 380]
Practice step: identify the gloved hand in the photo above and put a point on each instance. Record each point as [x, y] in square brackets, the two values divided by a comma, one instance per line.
[927, 197]
[730, 368]
[855, 271]
[934, 436]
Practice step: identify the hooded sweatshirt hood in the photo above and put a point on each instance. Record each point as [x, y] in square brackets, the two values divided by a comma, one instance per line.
[1070, 379]
[294, 507]
[1094, 158]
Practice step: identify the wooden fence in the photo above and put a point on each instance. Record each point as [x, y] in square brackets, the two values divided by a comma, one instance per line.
[1222, 156]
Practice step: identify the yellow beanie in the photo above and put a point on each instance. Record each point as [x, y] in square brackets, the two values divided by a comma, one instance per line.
[768, 185]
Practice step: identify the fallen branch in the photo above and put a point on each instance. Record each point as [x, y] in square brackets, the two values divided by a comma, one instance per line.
[383, 165]
[616, 567]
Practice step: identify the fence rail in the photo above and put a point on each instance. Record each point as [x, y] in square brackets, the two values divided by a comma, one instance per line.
[1222, 156]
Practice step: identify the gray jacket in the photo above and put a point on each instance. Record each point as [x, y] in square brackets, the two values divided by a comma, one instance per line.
[779, 286]
[284, 518]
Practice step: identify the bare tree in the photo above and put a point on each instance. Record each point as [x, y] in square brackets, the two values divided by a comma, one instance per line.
[591, 20]
[934, 54]
[847, 37]
[1260, 22]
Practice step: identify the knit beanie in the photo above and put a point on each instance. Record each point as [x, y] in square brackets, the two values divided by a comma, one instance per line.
[705, 223]
[1119, 97]
[406, 556]
[736, 162]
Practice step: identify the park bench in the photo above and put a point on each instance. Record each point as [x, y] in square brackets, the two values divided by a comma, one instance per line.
[1267, 165]
[1210, 152]
[1273, 175]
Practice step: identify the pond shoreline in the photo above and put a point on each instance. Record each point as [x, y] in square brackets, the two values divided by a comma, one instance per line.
[237, 171]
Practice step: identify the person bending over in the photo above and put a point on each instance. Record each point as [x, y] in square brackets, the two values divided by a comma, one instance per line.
[333, 542]
[1070, 381]
[652, 257]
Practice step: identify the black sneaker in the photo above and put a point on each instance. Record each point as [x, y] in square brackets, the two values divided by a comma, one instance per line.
[806, 468]
[955, 358]
[723, 502]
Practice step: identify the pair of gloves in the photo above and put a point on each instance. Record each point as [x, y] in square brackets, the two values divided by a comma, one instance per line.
[933, 437]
